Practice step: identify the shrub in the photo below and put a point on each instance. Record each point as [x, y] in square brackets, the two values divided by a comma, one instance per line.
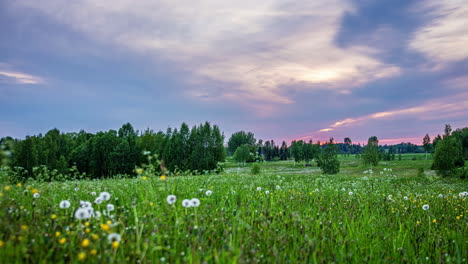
[329, 163]
[256, 169]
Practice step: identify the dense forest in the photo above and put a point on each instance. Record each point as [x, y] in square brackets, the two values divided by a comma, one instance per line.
[193, 150]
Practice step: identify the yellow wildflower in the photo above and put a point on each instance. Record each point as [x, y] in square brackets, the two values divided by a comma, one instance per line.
[81, 256]
[434, 221]
[2, 243]
[163, 177]
[57, 234]
[62, 240]
[115, 244]
[151, 203]
[144, 178]
[93, 252]
[24, 227]
[87, 230]
[7, 188]
[34, 191]
[139, 170]
[85, 242]
[105, 227]
[53, 216]
[95, 237]
[19, 184]
[86, 224]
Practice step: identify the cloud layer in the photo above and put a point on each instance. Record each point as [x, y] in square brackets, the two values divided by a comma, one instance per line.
[255, 51]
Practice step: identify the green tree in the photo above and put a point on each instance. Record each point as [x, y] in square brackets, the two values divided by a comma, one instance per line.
[240, 138]
[427, 143]
[329, 163]
[348, 145]
[242, 154]
[371, 152]
[297, 151]
[448, 153]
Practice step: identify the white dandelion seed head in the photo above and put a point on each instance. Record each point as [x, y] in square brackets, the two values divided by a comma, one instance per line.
[114, 237]
[36, 195]
[105, 196]
[343, 189]
[463, 194]
[259, 188]
[195, 202]
[425, 207]
[350, 193]
[267, 192]
[82, 213]
[64, 204]
[93, 193]
[98, 200]
[208, 193]
[85, 204]
[97, 214]
[278, 187]
[405, 197]
[77, 189]
[110, 207]
[186, 203]
[440, 196]
[171, 199]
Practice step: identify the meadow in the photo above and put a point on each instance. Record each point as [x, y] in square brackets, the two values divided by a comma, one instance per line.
[397, 212]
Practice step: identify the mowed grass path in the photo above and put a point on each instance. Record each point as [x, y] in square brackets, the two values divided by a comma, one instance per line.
[286, 214]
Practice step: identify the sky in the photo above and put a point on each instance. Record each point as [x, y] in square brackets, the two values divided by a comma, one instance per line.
[284, 70]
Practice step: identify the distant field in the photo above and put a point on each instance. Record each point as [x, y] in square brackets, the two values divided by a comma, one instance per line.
[287, 214]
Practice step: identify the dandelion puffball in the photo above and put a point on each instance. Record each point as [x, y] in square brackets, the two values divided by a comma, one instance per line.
[64, 204]
[425, 207]
[208, 193]
[186, 203]
[114, 237]
[82, 213]
[195, 202]
[105, 196]
[171, 199]
[110, 207]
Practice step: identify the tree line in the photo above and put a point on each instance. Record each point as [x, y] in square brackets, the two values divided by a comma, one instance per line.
[105, 154]
[201, 149]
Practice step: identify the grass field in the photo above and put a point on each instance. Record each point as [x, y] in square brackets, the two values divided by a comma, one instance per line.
[287, 214]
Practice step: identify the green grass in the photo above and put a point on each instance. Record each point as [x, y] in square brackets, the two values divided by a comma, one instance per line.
[311, 218]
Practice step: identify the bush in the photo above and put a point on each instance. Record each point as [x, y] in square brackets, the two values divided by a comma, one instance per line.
[256, 169]
[329, 163]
